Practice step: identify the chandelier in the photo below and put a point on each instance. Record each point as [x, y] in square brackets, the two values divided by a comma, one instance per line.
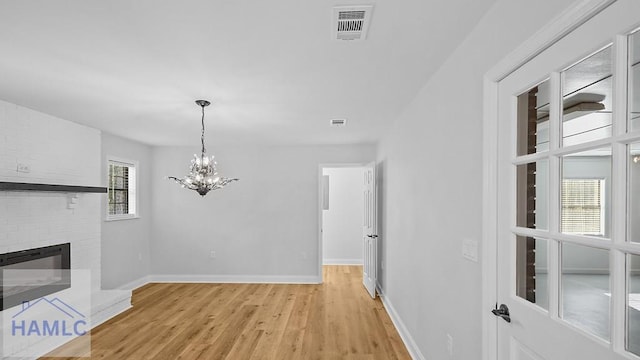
[202, 176]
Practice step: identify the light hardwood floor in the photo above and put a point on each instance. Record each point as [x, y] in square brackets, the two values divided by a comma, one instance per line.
[334, 320]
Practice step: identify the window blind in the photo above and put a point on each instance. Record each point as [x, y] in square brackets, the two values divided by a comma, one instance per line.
[582, 206]
[118, 189]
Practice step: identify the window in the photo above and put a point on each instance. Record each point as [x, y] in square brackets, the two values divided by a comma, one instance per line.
[121, 189]
[582, 206]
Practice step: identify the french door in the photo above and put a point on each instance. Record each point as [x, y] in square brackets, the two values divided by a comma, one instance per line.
[569, 196]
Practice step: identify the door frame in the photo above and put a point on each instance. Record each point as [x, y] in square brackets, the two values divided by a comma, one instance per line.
[321, 167]
[567, 21]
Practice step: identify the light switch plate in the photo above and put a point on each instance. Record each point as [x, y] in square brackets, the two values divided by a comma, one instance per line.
[470, 249]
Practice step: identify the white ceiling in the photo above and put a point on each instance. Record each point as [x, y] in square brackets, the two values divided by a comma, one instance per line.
[270, 68]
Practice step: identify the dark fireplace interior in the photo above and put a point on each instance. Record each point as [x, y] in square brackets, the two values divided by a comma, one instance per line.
[46, 271]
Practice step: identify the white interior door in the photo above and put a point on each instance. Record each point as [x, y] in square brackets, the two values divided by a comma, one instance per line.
[569, 196]
[370, 230]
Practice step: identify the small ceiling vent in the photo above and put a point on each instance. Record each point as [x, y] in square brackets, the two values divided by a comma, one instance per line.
[338, 122]
[351, 22]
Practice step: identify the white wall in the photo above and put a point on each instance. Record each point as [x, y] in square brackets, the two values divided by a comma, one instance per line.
[126, 254]
[431, 188]
[342, 222]
[57, 152]
[263, 226]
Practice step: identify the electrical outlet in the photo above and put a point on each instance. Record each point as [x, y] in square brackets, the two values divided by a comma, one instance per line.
[450, 345]
[23, 168]
[212, 254]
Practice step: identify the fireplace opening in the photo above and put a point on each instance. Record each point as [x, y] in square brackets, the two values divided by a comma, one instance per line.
[34, 273]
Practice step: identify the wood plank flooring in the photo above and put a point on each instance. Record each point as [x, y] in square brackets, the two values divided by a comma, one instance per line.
[334, 320]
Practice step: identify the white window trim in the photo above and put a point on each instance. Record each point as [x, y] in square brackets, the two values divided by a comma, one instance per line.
[135, 164]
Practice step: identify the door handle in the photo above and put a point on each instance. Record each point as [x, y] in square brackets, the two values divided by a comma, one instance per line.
[373, 236]
[503, 312]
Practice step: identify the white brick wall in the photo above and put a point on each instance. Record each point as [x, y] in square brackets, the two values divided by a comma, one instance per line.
[57, 152]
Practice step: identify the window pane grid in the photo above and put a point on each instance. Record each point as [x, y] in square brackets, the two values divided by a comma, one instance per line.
[590, 265]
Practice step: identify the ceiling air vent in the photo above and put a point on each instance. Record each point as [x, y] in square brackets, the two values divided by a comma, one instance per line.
[351, 22]
[338, 122]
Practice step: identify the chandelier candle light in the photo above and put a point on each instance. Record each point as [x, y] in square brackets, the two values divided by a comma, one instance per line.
[203, 176]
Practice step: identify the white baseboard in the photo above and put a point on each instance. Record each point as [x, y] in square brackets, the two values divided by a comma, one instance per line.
[135, 283]
[109, 304]
[103, 316]
[342, 262]
[239, 279]
[406, 337]
[113, 312]
[223, 279]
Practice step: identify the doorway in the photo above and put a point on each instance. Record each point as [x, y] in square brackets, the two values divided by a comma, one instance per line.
[342, 209]
[366, 220]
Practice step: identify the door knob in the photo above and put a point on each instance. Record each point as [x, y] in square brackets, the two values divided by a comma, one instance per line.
[373, 236]
[503, 312]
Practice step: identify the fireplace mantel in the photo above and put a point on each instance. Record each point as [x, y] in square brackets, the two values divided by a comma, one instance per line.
[15, 186]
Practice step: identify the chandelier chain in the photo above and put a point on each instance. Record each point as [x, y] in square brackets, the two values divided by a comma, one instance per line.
[202, 136]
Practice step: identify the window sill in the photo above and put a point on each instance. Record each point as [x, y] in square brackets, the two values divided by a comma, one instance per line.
[122, 217]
